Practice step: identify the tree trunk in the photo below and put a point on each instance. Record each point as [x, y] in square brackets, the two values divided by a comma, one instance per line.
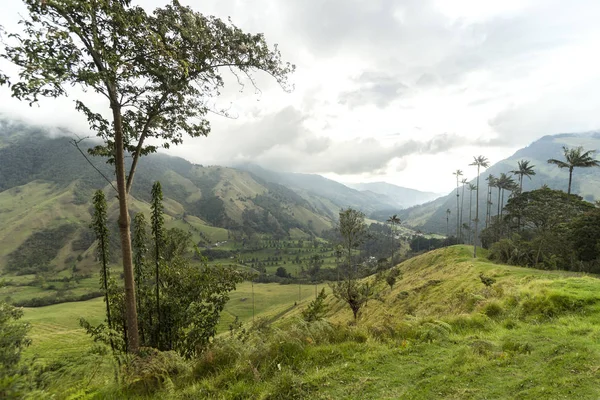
[462, 204]
[470, 212]
[124, 224]
[457, 212]
[476, 216]
[570, 178]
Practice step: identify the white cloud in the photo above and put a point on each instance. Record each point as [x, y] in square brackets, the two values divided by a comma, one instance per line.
[382, 85]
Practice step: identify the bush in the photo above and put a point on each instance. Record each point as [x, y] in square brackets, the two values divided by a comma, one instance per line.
[151, 370]
[493, 309]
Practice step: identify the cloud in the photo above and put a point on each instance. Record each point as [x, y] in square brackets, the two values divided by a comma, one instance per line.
[375, 88]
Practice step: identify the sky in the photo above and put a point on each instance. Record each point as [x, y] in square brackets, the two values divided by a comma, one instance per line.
[399, 91]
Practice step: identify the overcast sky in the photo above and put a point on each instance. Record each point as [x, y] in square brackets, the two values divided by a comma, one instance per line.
[398, 91]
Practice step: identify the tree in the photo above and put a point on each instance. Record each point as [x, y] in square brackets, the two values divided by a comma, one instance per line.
[491, 179]
[156, 72]
[471, 189]
[353, 292]
[353, 231]
[458, 174]
[448, 212]
[141, 267]
[100, 228]
[394, 221]
[462, 204]
[13, 340]
[523, 169]
[316, 309]
[157, 222]
[479, 162]
[575, 158]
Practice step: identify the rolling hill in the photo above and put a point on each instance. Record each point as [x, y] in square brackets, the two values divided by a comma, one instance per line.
[46, 187]
[403, 197]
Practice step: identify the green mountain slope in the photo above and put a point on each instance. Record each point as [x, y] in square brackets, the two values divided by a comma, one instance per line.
[46, 187]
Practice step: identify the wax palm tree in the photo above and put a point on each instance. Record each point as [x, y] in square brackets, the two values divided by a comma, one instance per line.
[471, 189]
[524, 169]
[393, 220]
[458, 174]
[491, 180]
[462, 206]
[575, 158]
[479, 162]
[504, 183]
[448, 212]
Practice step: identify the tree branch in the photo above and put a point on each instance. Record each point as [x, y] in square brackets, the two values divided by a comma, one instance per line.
[75, 143]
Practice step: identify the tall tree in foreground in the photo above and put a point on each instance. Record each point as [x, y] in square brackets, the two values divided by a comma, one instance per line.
[523, 169]
[157, 73]
[479, 162]
[575, 158]
[458, 174]
[394, 221]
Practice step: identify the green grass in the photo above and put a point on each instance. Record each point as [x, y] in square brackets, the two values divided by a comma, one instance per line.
[439, 334]
[55, 330]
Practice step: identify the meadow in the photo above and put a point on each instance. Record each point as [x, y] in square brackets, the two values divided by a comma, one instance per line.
[439, 333]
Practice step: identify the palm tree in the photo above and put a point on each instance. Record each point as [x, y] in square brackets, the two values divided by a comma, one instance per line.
[524, 169]
[448, 222]
[504, 183]
[393, 220]
[458, 174]
[575, 158]
[462, 205]
[471, 189]
[491, 180]
[479, 161]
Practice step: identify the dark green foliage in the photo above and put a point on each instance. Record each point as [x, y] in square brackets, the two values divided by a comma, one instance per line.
[316, 309]
[36, 253]
[392, 277]
[543, 228]
[486, 280]
[85, 240]
[353, 293]
[13, 340]
[282, 272]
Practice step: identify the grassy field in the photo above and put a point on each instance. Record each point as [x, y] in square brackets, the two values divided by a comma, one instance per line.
[55, 330]
[440, 333]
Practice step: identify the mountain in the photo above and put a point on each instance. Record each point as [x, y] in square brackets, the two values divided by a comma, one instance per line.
[431, 217]
[46, 187]
[324, 194]
[403, 197]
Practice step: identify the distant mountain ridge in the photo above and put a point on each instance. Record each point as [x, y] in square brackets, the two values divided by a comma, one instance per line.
[404, 197]
[431, 217]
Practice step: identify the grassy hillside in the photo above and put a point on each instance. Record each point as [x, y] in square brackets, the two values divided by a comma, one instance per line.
[439, 334]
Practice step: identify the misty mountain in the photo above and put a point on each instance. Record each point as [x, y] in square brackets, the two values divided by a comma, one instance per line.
[431, 217]
[46, 187]
[404, 197]
[330, 195]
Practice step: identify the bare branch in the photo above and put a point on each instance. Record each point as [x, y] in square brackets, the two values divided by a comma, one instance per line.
[75, 143]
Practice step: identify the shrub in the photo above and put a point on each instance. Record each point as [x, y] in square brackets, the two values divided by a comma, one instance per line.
[151, 370]
[316, 309]
[493, 309]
